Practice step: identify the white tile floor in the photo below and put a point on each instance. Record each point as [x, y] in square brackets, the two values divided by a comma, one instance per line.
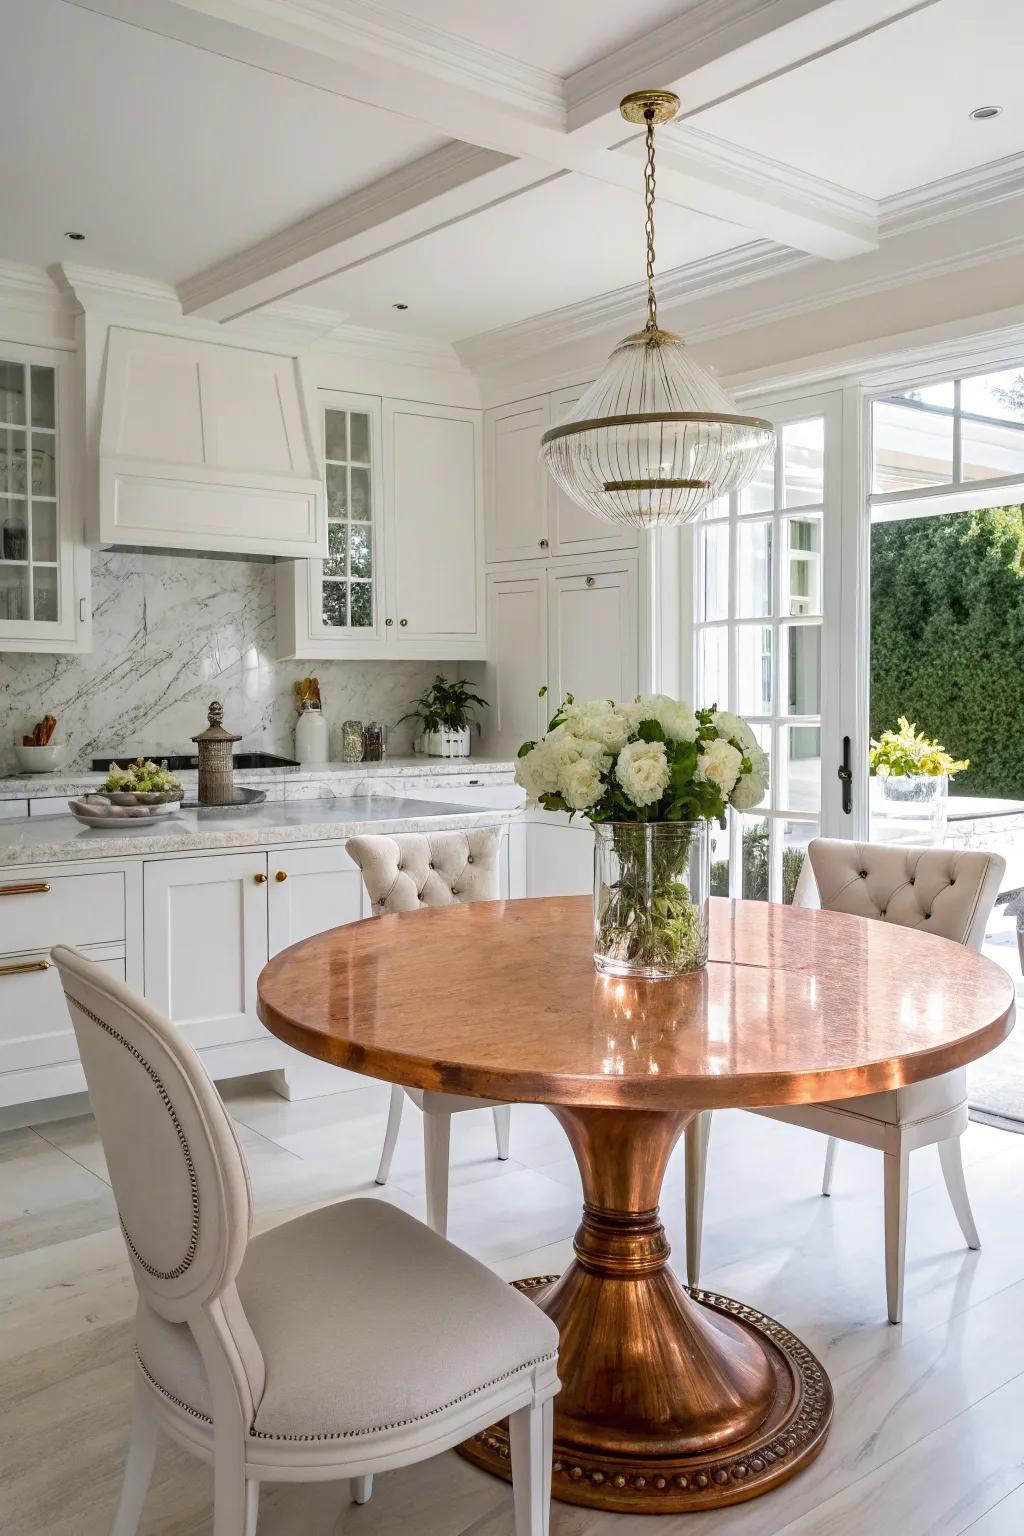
[927, 1439]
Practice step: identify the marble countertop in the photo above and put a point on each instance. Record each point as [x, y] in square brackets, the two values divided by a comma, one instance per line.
[29, 786]
[57, 839]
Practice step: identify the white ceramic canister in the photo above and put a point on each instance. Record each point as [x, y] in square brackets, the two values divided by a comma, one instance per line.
[312, 736]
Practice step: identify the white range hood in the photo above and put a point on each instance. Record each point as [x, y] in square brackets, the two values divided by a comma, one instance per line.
[209, 447]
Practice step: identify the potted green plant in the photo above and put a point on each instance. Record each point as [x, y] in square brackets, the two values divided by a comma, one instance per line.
[910, 775]
[444, 711]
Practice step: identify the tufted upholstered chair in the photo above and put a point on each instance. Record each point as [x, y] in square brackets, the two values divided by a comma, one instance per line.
[345, 1342]
[403, 873]
[946, 892]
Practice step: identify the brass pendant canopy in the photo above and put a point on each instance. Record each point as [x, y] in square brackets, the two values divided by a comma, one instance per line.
[655, 438]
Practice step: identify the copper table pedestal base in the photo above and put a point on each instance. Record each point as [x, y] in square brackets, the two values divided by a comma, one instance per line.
[671, 1400]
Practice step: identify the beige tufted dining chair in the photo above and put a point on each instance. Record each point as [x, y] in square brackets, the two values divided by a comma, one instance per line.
[348, 1341]
[946, 892]
[401, 874]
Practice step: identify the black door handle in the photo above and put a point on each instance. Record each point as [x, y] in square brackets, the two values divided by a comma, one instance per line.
[846, 777]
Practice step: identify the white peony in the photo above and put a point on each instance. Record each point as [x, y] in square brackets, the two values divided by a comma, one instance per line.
[643, 771]
[566, 747]
[749, 789]
[581, 784]
[728, 724]
[600, 721]
[720, 763]
[676, 719]
[537, 772]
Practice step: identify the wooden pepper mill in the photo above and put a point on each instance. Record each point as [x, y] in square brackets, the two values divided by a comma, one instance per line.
[216, 768]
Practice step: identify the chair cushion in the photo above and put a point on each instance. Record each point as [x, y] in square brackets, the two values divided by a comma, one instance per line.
[415, 869]
[367, 1321]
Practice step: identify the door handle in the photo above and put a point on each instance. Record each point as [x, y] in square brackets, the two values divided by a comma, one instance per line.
[26, 888]
[23, 967]
[846, 777]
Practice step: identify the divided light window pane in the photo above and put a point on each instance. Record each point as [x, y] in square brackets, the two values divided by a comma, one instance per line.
[714, 573]
[713, 667]
[753, 669]
[347, 599]
[803, 463]
[801, 650]
[754, 572]
[912, 445]
[759, 495]
[992, 425]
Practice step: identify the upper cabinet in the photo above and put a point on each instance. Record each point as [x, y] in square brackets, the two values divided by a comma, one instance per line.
[206, 446]
[44, 567]
[404, 525]
[528, 517]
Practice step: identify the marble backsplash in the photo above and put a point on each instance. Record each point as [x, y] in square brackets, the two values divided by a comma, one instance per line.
[170, 633]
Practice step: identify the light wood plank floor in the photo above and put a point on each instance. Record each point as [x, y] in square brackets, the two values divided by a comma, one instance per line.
[927, 1438]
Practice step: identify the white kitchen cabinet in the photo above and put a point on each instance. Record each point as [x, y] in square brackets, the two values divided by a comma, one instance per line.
[44, 565]
[206, 943]
[405, 524]
[559, 855]
[207, 446]
[516, 481]
[517, 653]
[574, 531]
[592, 629]
[310, 890]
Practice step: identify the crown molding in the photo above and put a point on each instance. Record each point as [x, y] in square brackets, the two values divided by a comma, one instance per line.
[24, 287]
[952, 196]
[123, 292]
[625, 307]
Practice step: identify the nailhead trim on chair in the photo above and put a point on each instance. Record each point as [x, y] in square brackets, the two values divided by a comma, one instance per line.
[190, 1252]
[348, 1434]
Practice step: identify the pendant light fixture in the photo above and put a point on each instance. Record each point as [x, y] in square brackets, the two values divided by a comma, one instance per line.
[655, 438]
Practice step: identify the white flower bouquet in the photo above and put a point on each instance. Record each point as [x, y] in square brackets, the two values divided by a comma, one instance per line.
[650, 776]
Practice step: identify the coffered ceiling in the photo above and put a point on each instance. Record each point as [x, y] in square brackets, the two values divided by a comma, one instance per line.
[466, 157]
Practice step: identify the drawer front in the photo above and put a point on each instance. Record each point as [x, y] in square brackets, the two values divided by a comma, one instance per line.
[35, 1028]
[37, 912]
[50, 805]
[478, 793]
[13, 810]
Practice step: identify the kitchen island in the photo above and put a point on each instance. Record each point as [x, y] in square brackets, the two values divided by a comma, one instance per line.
[189, 910]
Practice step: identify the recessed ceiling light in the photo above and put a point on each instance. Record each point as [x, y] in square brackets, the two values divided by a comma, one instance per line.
[982, 114]
[73, 234]
[399, 306]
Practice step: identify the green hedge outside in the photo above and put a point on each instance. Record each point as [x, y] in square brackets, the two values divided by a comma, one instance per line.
[947, 639]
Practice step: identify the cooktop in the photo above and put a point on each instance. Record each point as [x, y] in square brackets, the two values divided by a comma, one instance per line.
[179, 763]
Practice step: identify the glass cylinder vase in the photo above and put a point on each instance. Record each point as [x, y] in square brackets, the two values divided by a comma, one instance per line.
[651, 888]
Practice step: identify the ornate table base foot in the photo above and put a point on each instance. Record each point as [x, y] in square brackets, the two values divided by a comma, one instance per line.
[790, 1436]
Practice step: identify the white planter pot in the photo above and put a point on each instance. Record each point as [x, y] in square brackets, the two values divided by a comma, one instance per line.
[446, 743]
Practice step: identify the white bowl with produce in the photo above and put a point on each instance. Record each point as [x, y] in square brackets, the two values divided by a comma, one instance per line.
[139, 787]
[48, 759]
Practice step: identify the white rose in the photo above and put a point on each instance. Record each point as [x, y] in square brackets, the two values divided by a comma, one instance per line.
[728, 724]
[676, 719]
[580, 784]
[537, 772]
[643, 771]
[720, 764]
[749, 789]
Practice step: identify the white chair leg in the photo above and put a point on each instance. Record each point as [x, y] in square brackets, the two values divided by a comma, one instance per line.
[436, 1145]
[391, 1134]
[956, 1186]
[530, 1437]
[696, 1134]
[897, 1180]
[236, 1500]
[830, 1165]
[360, 1488]
[502, 1128]
[138, 1468]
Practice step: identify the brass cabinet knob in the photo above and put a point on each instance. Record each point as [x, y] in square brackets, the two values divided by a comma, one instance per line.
[282, 874]
[389, 622]
[403, 622]
[543, 543]
[260, 879]
[589, 581]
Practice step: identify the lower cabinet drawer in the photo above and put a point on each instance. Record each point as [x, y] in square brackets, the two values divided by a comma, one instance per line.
[35, 1027]
[36, 912]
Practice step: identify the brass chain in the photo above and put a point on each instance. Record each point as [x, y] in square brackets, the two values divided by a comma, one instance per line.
[652, 305]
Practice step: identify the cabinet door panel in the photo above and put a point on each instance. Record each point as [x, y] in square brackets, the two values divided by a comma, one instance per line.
[433, 512]
[206, 943]
[323, 889]
[592, 625]
[517, 652]
[517, 493]
[559, 856]
[575, 531]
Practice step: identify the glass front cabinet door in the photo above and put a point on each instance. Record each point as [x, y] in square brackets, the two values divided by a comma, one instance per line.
[43, 568]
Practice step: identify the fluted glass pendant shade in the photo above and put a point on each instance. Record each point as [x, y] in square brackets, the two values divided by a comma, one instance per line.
[655, 438]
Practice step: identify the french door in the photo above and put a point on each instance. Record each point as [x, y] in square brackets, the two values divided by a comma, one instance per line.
[766, 576]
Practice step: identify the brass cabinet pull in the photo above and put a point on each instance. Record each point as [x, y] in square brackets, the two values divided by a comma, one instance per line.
[260, 879]
[23, 967]
[27, 888]
[282, 874]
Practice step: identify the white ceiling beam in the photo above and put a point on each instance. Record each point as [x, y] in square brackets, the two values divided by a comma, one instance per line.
[514, 115]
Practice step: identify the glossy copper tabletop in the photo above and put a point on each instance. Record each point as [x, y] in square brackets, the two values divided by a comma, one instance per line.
[501, 1000]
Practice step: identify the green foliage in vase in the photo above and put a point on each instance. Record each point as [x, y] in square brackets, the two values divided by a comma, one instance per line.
[445, 705]
[909, 753]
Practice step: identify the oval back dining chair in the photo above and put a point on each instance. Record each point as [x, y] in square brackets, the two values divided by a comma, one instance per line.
[946, 892]
[347, 1341]
[401, 874]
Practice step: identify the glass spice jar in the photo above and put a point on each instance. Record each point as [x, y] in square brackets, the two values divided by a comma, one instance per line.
[352, 741]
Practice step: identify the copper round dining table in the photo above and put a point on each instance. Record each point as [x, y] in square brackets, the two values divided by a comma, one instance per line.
[672, 1399]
